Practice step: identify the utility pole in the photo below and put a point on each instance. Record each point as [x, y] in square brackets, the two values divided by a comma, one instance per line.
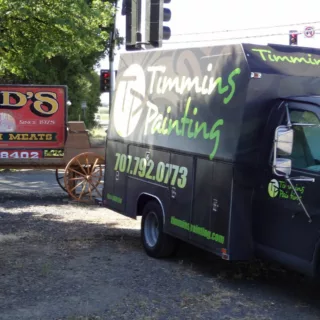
[84, 107]
[111, 57]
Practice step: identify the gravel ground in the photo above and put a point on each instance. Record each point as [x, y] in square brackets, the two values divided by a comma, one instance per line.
[61, 260]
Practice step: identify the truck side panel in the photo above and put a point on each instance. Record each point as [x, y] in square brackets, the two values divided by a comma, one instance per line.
[180, 113]
[146, 177]
[185, 100]
[202, 213]
[241, 240]
[181, 196]
[211, 207]
[115, 181]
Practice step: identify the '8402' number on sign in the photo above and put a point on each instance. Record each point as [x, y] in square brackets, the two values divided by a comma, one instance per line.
[19, 155]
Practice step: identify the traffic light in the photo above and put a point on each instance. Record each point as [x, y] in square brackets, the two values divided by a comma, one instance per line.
[105, 80]
[132, 10]
[293, 38]
[156, 14]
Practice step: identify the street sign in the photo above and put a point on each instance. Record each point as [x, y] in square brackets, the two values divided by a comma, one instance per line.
[84, 105]
[309, 32]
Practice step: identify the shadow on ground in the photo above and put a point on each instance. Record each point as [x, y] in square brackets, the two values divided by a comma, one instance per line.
[255, 278]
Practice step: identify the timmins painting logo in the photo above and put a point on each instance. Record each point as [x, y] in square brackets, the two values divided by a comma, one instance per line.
[128, 104]
[282, 190]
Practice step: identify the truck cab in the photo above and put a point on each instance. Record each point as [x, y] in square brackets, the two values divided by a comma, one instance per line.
[286, 215]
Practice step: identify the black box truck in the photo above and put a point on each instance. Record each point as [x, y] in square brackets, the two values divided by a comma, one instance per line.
[220, 147]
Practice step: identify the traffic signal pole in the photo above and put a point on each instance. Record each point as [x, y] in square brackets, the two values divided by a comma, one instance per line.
[155, 15]
[111, 58]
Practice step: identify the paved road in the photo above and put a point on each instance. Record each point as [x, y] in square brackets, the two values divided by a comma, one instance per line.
[28, 184]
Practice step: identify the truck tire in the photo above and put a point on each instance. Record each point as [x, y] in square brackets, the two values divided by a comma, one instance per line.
[156, 243]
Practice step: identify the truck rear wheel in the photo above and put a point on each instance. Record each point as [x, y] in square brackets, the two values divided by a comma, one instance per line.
[156, 243]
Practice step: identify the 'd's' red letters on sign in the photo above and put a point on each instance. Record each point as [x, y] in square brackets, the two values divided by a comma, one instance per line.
[32, 116]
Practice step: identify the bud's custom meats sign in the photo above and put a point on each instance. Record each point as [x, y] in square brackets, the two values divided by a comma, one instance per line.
[32, 120]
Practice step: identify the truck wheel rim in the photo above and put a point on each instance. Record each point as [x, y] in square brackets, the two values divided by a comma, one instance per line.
[151, 229]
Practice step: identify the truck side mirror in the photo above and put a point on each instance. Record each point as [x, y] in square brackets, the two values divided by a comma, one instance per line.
[283, 144]
[282, 167]
[284, 140]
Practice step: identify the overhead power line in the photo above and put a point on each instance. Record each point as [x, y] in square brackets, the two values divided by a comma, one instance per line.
[231, 38]
[245, 29]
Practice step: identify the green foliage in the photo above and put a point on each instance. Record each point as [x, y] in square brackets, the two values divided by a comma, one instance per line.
[56, 42]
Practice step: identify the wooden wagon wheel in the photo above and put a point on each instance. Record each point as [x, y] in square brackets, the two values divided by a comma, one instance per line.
[84, 171]
[60, 174]
[60, 178]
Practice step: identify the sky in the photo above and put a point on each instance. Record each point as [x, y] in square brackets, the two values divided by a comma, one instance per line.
[210, 22]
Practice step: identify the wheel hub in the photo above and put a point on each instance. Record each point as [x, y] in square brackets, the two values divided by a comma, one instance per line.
[152, 229]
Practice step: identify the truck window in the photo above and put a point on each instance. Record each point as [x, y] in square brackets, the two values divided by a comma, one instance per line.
[306, 146]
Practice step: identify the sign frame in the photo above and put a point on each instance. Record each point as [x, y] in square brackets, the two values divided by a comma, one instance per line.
[33, 117]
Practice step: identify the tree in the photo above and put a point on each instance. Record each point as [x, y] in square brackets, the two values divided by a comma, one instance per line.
[56, 42]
